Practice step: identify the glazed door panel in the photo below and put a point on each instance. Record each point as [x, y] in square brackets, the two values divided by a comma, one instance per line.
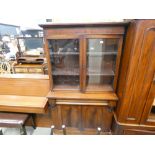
[102, 56]
[65, 63]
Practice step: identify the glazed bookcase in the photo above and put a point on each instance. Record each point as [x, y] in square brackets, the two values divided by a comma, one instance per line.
[83, 62]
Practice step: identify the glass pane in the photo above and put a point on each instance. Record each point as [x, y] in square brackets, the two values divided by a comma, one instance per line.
[101, 61]
[64, 56]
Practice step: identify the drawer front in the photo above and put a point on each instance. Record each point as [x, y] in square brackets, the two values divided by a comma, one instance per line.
[21, 70]
[81, 115]
[35, 70]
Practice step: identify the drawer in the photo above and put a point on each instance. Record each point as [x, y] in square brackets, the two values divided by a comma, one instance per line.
[21, 70]
[35, 70]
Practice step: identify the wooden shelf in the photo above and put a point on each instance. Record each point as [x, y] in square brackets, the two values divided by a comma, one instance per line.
[100, 53]
[107, 88]
[82, 96]
[103, 73]
[67, 72]
[66, 87]
[67, 53]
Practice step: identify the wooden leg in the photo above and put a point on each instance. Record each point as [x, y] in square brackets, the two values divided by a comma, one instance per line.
[1, 133]
[33, 121]
[23, 130]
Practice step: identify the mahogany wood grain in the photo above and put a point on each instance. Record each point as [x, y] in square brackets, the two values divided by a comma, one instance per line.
[24, 85]
[147, 118]
[75, 131]
[27, 104]
[69, 25]
[71, 116]
[119, 128]
[137, 71]
[44, 120]
[81, 117]
[82, 96]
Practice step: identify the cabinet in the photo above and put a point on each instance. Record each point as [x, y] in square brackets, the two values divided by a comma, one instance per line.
[83, 62]
[136, 90]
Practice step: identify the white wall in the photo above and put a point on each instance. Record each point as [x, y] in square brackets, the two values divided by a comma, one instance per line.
[31, 12]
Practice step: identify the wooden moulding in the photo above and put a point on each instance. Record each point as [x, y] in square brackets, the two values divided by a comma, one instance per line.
[75, 102]
[102, 24]
[82, 96]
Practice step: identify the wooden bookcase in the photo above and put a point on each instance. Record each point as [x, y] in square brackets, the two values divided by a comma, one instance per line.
[83, 62]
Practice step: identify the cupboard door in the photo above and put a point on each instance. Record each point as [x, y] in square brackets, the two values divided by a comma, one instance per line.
[65, 60]
[96, 116]
[101, 62]
[71, 116]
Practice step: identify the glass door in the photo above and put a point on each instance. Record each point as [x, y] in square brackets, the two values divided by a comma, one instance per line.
[102, 61]
[64, 59]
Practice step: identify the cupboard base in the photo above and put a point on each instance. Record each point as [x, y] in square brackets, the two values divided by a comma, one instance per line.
[131, 129]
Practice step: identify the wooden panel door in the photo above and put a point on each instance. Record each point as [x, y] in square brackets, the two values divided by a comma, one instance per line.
[71, 116]
[137, 72]
[96, 116]
[67, 115]
[82, 117]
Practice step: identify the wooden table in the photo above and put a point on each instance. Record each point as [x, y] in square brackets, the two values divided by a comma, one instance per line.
[23, 104]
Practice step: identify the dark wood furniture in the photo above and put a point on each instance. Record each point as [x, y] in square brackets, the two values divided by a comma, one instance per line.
[135, 112]
[15, 120]
[83, 62]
